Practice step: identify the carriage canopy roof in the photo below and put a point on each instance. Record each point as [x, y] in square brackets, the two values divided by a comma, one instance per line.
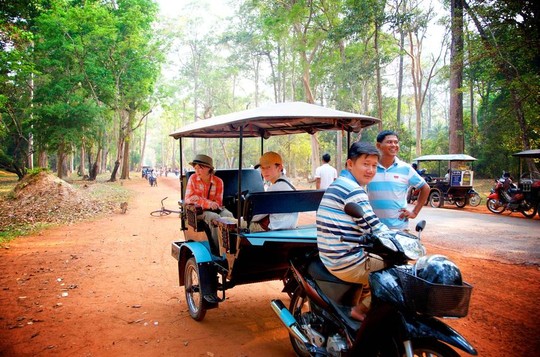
[446, 157]
[276, 119]
[535, 153]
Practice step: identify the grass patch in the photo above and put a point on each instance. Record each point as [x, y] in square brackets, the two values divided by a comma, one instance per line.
[20, 231]
[7, 182]
[483, 187]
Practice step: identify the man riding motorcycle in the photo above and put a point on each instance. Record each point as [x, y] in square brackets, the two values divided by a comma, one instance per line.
[345, 260]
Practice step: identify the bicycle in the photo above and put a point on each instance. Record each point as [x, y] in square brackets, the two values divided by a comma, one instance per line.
[164, 211]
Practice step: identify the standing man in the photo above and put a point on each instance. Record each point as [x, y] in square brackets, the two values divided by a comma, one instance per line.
[325, 174]
[388, 190]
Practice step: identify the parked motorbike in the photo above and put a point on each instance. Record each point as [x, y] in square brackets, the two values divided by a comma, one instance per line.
[505, 195]
[405, 299]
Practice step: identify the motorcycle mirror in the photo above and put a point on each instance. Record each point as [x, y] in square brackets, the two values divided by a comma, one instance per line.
[420, 226]
[354, 210]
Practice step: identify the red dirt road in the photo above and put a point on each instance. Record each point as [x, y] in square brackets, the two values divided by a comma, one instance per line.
[110, 288]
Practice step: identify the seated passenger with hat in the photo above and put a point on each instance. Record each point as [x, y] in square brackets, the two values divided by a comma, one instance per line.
[206, 190]
[271, 167]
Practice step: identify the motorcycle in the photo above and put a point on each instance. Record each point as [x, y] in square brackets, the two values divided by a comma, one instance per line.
[405, 299]
[505, 195]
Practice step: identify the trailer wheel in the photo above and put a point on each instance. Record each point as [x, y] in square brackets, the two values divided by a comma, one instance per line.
[460, 202]
[197, 306]
[474, 200]
[435, 199]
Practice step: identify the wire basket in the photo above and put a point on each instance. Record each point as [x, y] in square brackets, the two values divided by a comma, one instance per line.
[435, 299]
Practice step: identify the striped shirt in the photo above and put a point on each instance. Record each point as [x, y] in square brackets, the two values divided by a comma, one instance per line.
[207, 192]
[388, 192]
[333, 223]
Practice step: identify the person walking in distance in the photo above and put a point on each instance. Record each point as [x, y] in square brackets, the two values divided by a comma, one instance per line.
[325, 174]
[388, 190]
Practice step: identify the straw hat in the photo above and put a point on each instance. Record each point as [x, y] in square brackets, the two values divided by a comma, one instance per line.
[204, 160]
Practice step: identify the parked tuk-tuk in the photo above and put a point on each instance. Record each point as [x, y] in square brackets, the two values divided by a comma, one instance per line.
[529, 180]
[450, 179]
[206, 268]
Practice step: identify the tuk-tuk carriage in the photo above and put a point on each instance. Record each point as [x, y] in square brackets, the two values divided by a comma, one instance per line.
[208, 266]
[529, 179]
[451, 179]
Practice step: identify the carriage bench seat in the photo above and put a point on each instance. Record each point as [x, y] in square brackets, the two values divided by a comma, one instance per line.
[281, 202]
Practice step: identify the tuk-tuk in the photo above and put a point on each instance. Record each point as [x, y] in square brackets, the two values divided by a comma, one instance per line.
[451, 179]
[208, 267]
[529, 180]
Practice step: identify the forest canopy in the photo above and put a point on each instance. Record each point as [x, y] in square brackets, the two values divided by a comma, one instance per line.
[96, 86]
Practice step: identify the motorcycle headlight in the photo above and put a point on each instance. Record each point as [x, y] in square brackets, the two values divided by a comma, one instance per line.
[400, 241]
[411, 245]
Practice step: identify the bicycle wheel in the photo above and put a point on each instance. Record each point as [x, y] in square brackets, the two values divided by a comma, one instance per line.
[160, 213]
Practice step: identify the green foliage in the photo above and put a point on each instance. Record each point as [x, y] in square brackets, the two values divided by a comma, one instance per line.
[95, 66]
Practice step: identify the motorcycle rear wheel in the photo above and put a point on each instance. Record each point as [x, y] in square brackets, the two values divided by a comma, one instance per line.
[436, 199]
[529, 210]
[494, 206]
[299, 308]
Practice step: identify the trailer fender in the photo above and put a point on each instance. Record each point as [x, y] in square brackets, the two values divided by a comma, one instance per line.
[182, 251]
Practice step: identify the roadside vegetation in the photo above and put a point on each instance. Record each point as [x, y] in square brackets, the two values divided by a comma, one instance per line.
[42, 200]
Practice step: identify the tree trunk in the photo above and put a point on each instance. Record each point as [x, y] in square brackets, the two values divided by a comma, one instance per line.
[94, 170]
[82, 166]
[339, 151]
[125, 159]
[400, 77]
[309, 98]
[416, 73]
[456, 135]
[378, 75]
[43, 160]
[61, 167]
[143, 148]
[123, 127]
[118, 159]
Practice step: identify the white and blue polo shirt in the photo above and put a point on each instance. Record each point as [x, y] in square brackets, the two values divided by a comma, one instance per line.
[388, 192]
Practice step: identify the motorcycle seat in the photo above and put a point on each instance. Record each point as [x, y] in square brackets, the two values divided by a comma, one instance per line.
[319, 272]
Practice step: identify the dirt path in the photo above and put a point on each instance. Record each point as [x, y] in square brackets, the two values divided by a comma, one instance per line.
[110, 288]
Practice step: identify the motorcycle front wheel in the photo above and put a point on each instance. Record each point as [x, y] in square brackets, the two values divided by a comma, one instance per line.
[432, 348]
[494, 206]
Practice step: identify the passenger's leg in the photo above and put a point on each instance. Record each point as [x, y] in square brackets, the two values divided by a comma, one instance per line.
[208, 217]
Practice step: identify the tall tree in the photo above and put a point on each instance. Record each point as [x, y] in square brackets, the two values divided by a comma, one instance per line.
[16, 75]
[416, 29]
[135, 59]
[456, 134]
[509, 32]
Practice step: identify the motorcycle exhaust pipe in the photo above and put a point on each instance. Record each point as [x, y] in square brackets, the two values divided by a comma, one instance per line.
[289, 321]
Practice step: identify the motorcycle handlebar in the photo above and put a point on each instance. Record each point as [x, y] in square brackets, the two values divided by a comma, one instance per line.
[364, 239]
